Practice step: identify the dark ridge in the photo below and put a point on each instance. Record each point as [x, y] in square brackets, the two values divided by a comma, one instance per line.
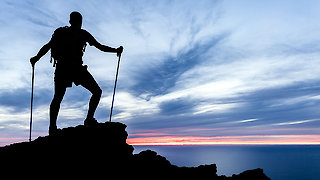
[98, 152]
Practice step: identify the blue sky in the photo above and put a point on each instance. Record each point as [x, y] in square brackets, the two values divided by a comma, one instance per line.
[190, 69]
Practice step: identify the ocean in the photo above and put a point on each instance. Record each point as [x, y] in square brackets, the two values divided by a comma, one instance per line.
[279, 162]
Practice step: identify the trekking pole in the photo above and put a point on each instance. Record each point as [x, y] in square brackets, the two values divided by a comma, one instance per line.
[114, 89]
[31, 102]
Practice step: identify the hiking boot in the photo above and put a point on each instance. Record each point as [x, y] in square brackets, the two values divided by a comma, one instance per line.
[90, 122]
[53, 130]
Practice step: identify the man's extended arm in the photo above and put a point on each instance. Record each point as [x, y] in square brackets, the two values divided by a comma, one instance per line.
[41, 53]
[107, 48]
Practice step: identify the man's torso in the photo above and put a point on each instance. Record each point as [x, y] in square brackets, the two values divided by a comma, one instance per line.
[68, 45]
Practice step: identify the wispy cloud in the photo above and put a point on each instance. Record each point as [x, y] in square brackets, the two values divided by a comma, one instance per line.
[296, 122]
[247, 120]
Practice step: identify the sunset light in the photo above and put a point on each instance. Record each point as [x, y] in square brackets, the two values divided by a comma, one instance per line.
[228, 140]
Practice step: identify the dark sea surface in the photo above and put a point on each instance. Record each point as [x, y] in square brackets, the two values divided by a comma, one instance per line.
[279, 162]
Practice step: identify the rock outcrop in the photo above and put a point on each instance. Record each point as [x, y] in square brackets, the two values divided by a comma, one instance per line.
[96, 152]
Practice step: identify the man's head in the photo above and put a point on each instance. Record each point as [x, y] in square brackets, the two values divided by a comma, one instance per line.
[75, 19]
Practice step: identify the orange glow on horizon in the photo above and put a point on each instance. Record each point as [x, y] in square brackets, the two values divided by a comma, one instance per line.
[228, 140]
[198, 140]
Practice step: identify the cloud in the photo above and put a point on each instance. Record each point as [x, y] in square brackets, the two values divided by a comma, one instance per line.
[214, 108]
[295, 100]
[130, 106]
[296, 122]
[247, 120]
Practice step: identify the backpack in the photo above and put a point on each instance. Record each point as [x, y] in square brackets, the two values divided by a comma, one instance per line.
[64, 44]
[59, 45]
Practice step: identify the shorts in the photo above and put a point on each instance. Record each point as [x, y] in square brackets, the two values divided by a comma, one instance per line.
[65, 76]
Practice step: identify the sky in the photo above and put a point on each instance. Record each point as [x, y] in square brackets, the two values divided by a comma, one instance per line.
[192, 72]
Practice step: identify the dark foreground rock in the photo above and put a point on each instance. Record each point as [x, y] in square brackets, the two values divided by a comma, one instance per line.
[98, 152]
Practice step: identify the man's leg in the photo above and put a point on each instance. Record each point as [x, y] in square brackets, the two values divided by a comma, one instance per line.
[90, 84]
[59, 92]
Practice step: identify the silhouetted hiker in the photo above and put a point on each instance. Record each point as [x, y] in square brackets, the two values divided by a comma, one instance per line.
[67, 47]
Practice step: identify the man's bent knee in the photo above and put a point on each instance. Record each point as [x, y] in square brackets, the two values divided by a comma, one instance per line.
[97, 92]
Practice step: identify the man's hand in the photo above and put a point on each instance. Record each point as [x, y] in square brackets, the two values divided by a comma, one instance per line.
[33, 60]
[119, 51]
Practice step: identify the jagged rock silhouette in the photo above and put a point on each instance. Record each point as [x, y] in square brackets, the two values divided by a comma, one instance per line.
[98, 151]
